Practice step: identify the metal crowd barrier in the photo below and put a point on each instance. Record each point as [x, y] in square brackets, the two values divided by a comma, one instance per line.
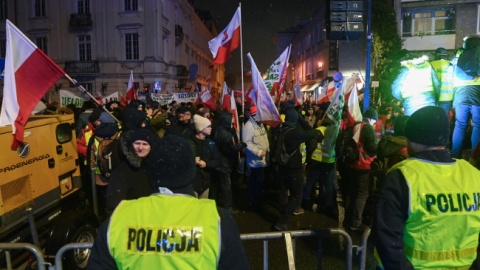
[290, 239]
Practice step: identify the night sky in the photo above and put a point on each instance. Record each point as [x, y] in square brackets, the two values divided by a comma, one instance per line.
[261, 19]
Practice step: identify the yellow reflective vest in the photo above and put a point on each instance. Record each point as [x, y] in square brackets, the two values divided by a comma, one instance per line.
[324, 152]
[419, 81]
[443, 226]
[444, 72]
[165, 231]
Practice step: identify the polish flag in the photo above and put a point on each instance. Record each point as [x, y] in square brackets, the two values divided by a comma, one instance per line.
[354, 113]
[229, 105]
[227, 41]
[267, 112]
[225, 100]
[29, 74]
[297, 93]
[206, 99]
[131, 93]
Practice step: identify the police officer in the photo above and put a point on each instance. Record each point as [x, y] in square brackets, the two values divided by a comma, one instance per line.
[428, 214]
[444, 71]
[170, 229]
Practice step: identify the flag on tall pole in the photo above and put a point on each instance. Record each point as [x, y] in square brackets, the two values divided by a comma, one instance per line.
[276, 74]
[227, 41]
[29, 74]
[267, 112]
[131, 93]
[354, 113]
[297, 93]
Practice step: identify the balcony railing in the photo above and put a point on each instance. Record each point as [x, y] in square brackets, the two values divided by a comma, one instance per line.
[80, 22]
[82, 67]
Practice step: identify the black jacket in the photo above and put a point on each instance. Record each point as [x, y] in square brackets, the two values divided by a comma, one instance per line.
[207, 151]
[129, 179]
[227, 140]
[293, 139]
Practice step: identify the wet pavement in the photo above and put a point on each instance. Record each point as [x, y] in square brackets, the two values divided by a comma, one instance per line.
[262, 220]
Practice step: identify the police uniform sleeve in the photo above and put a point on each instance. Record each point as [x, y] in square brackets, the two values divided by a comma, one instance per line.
[232, 253]
[389, 222]
[100, 257]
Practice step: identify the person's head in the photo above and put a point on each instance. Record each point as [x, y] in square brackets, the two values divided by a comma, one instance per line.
[202, 125]
[171, 164]
[141, 140]
[253, 111]
[427, 129]
[94, 117]
[137, 104]
[441, 53]
[371, 115]
[396, 111]
[112, 105]
[184, 114]
[291, 116]
[133, 118]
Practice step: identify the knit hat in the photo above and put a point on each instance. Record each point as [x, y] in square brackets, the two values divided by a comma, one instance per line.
[253, 110]
[133, 118]
[171, 164]
[143, 134]
[200, 123]
[95, 115]
[428, 126]
[106, 118]
[291, 116]
[371, 113]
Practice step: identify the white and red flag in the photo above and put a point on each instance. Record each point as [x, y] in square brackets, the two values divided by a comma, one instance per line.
[227, 41]
[229, 105]
[29, 74]
[354, 113]
[131, 93]
[267, 112]
[276, 74]
[206, 99]
[297, 93]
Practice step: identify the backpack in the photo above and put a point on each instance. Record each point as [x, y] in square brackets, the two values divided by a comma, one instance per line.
[346, 147]
[391, 150]
[279, 155]
[468, 60]
[108, 155]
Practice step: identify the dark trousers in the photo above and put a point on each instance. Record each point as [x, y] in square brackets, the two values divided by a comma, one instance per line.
[223, 182]
[290, 180]
[326, 174]
[356, 191]
[255, 186]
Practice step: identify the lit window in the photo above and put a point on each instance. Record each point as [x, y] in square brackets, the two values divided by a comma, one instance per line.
[428, 22]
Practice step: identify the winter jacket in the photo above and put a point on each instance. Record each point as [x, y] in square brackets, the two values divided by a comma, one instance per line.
[293, 139]
[207, 151]
[129, 179]
[226, 140]
[255, 136]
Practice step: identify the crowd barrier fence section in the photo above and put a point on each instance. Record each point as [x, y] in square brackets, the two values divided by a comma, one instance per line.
[289, 236]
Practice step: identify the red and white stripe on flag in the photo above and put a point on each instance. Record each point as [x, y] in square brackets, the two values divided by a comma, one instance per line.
[29, 74]
[227, 41]
[131, 92]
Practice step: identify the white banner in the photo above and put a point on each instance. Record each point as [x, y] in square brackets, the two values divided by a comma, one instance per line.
[165, 99]
[67, 97]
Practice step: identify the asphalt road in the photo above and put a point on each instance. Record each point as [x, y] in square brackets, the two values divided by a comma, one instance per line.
[259, 221]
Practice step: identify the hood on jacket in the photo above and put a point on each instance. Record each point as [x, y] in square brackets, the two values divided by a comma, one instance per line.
[225, 120]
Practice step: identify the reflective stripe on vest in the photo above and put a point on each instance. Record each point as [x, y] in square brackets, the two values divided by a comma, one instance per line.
[441, 197]
[323, 152]
[444, 72]
[174, 231]
[418, 80]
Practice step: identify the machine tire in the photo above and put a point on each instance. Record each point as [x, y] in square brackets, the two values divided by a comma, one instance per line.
[78, 258]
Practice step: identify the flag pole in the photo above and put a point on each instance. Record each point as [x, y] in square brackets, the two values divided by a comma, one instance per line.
[241, 63]
[79, 86]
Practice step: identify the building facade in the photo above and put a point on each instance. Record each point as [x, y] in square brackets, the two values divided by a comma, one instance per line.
[99, 42]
